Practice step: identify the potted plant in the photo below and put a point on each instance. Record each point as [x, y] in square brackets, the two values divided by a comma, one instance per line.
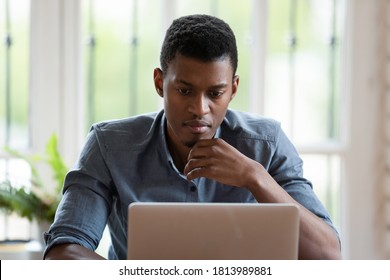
[35, 202]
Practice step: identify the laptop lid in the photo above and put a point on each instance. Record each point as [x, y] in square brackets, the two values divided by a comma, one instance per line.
[212, 231]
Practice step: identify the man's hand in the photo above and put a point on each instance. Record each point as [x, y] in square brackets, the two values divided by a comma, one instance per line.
[217, 160]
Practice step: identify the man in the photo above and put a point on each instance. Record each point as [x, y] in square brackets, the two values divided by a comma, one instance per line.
[195, 150]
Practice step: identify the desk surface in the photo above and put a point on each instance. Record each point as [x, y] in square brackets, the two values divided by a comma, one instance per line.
[21, 251]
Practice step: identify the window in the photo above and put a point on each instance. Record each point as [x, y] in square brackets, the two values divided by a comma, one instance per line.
[121, 52]
[14, 122]
[14, 30]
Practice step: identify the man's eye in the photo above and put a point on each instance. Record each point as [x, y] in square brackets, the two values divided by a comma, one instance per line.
[215, 94]
[183, 91]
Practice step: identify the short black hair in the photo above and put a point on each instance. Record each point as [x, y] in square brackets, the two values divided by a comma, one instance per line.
[202, 37]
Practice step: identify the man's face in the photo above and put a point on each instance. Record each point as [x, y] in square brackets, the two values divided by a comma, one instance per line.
[196, 96]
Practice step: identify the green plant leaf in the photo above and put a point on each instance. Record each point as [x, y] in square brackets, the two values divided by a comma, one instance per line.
[56, 162]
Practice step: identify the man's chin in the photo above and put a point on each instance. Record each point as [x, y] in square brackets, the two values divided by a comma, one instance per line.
[190, 144]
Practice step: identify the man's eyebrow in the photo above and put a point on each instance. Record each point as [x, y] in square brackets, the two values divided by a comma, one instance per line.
[217, 86]
[181, 81]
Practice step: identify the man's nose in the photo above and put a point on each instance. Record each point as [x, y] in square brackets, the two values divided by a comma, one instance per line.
[199, 105]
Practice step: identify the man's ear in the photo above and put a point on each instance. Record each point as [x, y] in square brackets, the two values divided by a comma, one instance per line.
[158, 81]
[236, 80]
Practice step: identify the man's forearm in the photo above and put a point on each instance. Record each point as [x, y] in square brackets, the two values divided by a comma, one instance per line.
[317, 239]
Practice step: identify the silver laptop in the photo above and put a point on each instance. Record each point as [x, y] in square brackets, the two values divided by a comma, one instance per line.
[212, 231]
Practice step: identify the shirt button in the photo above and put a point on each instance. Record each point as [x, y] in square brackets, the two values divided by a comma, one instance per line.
[193, 189]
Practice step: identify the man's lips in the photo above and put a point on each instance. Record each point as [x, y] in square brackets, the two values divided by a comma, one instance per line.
[197, 126]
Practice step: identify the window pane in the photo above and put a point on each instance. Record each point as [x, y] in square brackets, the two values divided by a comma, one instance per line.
[14, 28]
[15, 170]
[303, 68]
[324, 173]
[119, 69]
[14, 71]
[14, 228]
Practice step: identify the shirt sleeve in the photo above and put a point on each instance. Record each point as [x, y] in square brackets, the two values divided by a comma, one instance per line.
[287, 169]
[85, 206]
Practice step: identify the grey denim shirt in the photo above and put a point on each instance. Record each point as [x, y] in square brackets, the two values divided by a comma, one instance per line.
[127, 160]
